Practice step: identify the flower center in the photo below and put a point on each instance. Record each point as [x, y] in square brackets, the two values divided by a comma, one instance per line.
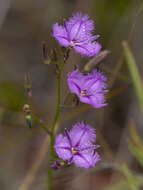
[74, 151]
[83, 93]
[72, 43]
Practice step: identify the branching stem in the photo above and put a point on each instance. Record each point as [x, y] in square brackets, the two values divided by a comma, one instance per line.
[50, 171]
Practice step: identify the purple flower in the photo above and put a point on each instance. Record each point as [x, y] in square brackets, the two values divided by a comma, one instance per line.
[77, 146]
[77, 33]
[89, 88]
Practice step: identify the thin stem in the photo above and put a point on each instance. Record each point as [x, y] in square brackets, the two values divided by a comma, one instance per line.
[36, 114]
[34, 108]
[50, 170]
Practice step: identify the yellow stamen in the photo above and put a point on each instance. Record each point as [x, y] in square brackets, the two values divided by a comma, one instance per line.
[83, 93]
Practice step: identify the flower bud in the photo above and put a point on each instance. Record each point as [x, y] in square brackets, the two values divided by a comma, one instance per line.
[46, 58]
[96, 60]
[56, 165]
[66, 55]
[29, 120]
[53, 55]
[26, 109]
[27, 85]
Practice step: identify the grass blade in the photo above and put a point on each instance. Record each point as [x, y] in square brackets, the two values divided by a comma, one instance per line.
[130, 177]
[134, 73]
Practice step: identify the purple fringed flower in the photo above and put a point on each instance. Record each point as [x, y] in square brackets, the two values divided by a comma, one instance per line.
[77, 146]
[89, 88]
[77, 33]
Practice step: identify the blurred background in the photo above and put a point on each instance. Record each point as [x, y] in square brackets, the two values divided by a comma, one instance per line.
[24, 25]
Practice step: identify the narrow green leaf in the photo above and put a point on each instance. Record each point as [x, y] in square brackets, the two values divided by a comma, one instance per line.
[130, 178]
[137, 152]
[134, 73]
[135, 137]
[136, 144]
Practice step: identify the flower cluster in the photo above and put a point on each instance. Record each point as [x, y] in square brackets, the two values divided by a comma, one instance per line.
[77, 33]
[89, 88]
[77, 146]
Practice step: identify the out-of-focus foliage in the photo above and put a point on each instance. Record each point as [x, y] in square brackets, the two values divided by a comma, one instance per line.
[130, 178]
[134, 73]
[11, 96]
[136, 145]
[1, 114]
[136, 148]
[110, 11]
[123, 184]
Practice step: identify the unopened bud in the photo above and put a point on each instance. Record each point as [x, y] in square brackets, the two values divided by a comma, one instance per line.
[29, 120]
[27, 85]
[26, 109]
[66, 56]
[46, 58]
[97, 59]
[56, 165]
[57, 69]
[54, 55]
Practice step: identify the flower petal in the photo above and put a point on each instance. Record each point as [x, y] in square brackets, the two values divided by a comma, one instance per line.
[75, 80]
[90, 49]
[60, 34]
[98, 100]
[80, 26]
[82, 135]
[85, 99]
[75, 30]
[86, 160]
[89, 148]
[62, 147]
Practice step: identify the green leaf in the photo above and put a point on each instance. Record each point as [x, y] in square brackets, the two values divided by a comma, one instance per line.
[130, 178]
[137, 152]
[135, 137]
[136, 144]
[134, 73]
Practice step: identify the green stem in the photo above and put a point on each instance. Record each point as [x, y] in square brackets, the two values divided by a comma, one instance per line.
[50, 170]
